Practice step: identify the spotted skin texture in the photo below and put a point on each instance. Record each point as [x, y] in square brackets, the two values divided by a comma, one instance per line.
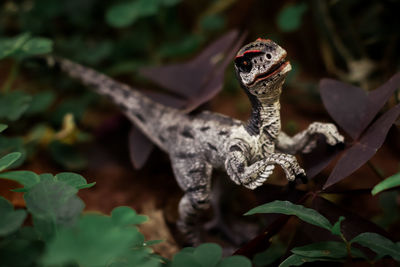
[198, 144]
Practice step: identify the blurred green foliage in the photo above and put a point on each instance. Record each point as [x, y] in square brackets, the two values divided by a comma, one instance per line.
[289, 19]
[62, 236]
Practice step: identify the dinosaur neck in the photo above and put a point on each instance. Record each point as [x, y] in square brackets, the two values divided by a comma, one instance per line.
[265, 117]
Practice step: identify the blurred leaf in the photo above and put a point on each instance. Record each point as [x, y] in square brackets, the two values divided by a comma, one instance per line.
[390, 182]
[21, 250]
[170, 2]
[46, 177]
[153, 242]
[212, 22]
[13, 144]
[74, 106]
[24, 45]
[73, 179]
[183, 259]
[201, 78]
[10, 219]
[9, 159]
[94, 54]
[54, 201]
[379, 244]
[123, 216]
[289, 18]
[25, 178]
[37, 46]
[126, 13]
[327, 249]
[67, 156]
[45, 228]
[94, 241]
[365, 148]
[272, 254]
[208, 254]
[235, 261]
[388, 204]
[336, 227]
[3, 127]
[41, 101]
[296, 260]
[10, 46]
[285, 207]
[186, 46]
[14, 104]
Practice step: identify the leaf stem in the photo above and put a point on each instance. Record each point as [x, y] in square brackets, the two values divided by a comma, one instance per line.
[348, 246]
[376, 170]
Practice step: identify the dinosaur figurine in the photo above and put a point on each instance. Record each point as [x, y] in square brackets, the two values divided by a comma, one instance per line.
[197, 144]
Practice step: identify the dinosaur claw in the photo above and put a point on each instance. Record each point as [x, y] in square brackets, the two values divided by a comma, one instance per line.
[340, 145]
[302, 177]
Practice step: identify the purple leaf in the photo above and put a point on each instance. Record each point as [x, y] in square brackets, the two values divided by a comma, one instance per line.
[365, 148]
[167, 100]
[319, 158]
[140, 148]
[201, 78]
[346, 104]
[216, 80]
[378, 97]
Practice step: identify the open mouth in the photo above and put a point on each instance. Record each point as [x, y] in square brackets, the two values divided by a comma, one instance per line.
[277, 68]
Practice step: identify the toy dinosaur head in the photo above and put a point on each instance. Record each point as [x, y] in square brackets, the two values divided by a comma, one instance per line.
[261, 68]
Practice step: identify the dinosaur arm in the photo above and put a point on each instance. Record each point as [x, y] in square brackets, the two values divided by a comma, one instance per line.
[306, 140]
[241, 173]
[255, 174]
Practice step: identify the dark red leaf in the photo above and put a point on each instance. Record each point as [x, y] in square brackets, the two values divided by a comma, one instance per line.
[319, 158]
[378, 97]
[365, 148]
[216, 80]
[167, 100]
[346, 104]
[140, 147]
[201, 78]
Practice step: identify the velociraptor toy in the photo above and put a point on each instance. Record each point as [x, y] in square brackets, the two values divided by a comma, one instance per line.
[196, 144]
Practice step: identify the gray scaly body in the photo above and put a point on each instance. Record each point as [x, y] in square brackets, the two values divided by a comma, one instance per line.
[197, 144]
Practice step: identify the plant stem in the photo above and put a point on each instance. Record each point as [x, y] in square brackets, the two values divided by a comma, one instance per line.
[11, 77]
[376, 170]
[348, 245]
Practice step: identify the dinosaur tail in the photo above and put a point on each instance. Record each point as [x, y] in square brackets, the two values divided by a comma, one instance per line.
[149, 116]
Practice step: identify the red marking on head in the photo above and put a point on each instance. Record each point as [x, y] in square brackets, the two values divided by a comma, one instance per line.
[249, 51]
[262, 39]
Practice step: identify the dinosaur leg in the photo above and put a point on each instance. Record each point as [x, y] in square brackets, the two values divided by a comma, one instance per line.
[194, 177]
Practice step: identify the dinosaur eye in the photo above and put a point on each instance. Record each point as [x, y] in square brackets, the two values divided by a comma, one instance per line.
[243, 64]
